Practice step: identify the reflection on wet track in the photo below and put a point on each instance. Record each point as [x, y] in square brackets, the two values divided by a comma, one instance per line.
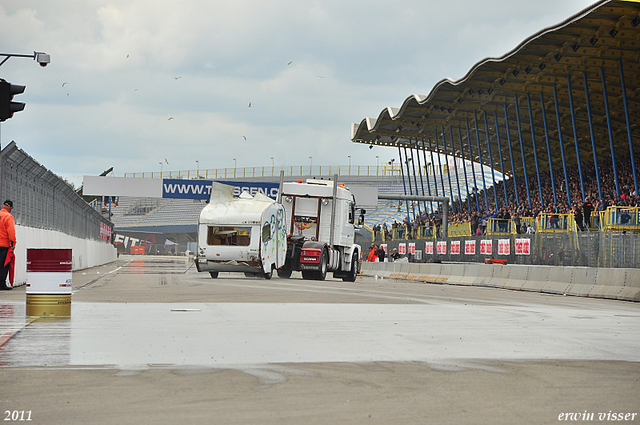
[130, 335]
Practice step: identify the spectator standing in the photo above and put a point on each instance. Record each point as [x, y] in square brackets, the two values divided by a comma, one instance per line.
[395, 255]
[7, 242]
[381, 254]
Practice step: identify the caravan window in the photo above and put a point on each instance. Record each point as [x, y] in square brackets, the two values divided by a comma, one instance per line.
[228, 235]
[266, 232]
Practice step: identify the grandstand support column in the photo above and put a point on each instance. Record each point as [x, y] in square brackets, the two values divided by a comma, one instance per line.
[484, 181]
[446, 159]
[464, 167]
[493, 174]
[455, 164]
[524, 162]
[433, 167]
[420, 174]
[593, 139]
[606, 109]
[564, 163]
[546, 135]
[626, 115]
[403, 182]
[415, 179]
[575, 135]
[426, 172]
[535, 149]
[444, 193]
[513, 168]
[504, 185]
[473, 168]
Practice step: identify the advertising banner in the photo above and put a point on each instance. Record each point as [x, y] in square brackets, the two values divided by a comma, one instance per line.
[504, 247]
[470, 247]
[455, 248]
[402, 249]
[428, 248]
[486, 246]
[442, 247]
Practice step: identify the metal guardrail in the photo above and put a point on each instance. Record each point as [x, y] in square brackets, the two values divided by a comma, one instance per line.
[43, 200]
[620, 219]
[384, 170]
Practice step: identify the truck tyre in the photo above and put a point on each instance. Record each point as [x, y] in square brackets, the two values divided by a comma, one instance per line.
[308, 274]
[214, 275]
[322, 273]
[284, 274]
[269, 275]
[355, 269]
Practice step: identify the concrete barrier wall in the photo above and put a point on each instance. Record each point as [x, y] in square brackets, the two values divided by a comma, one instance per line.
[86, 253]
[621, 284]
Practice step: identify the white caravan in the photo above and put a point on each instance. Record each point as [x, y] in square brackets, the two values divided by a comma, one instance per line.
[245, 234]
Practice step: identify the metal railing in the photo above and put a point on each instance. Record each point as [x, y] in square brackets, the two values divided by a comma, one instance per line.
[384, 170]
[43, 200]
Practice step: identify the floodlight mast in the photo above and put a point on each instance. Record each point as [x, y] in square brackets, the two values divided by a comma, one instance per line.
[42, 58]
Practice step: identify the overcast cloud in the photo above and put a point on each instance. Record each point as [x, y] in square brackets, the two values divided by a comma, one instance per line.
[133, 82]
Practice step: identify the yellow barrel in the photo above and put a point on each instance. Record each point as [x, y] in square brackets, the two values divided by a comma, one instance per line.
[49, 305]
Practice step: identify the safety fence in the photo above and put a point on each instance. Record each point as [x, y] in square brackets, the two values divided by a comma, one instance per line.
[43, 200]
[587, 249]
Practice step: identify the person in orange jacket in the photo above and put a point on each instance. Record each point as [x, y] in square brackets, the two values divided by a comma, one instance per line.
[372, 253]
[7, 241]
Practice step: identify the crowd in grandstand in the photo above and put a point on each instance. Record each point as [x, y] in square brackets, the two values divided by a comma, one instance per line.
[475, 211]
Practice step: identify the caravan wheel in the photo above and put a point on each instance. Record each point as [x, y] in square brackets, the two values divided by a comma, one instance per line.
[213, 274]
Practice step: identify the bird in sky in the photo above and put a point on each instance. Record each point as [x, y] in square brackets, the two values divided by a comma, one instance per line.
[290, 63]
[177, 78]
[64, 84]
[249, 106]
[245, 138]
[170, 118]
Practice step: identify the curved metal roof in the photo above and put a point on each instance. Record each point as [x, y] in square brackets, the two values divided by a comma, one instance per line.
[601, 43]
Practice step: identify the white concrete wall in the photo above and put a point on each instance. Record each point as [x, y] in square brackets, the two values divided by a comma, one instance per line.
[619, 284]
[86, 253]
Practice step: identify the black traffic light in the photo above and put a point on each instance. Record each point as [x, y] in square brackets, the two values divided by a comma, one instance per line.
[7, 106]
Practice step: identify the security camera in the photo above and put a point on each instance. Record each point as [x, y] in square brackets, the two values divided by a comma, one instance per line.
[43, 59]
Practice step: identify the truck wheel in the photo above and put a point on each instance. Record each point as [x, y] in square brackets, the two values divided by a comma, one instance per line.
[214, 275]
[308, 274]
[284, 274]
[322, 273]
[269, 275]
[355, 269]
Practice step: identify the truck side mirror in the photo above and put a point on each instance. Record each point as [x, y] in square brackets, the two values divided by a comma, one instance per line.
[361, 217]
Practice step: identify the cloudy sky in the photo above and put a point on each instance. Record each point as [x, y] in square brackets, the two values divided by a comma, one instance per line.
[132, 82]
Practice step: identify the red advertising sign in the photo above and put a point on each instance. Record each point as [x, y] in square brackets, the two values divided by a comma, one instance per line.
[504, 247]
[485, 247]
[412, 247]
[428, 248]
[402, 248]
[442, 247]
[523, 246]
[470, 247]
[455, 247]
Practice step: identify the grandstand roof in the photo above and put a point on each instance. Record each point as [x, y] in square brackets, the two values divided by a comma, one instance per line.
[598, 44]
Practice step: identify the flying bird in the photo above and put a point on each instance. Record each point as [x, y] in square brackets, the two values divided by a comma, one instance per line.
[177, 78]
[249, 106]
[127, 56]
[290, 63]
[64, 84]
[245, 138]
[170, 118]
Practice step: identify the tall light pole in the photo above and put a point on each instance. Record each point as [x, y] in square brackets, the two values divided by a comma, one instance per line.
[377, 164]
[197, 169]
[349, 156]
[310, 165]
[234, 167]
[160, 168]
